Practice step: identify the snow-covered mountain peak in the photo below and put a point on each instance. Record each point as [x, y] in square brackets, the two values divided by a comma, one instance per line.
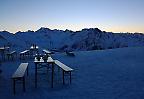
[86, 39]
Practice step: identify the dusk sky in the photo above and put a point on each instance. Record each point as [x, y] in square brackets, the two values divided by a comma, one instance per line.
[107, 15]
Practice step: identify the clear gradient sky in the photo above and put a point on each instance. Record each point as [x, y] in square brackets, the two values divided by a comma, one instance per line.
[107, 15]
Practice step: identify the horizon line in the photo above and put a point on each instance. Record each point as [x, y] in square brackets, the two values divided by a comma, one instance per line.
[67, 30]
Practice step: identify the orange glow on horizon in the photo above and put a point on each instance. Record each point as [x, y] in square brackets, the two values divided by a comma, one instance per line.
[77, 27]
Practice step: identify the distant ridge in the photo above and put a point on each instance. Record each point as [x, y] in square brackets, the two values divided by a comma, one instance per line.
[62, 40]
[84, 29]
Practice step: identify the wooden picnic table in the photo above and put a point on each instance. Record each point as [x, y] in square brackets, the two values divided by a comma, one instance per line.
[3, 48]
[49, 61]
[23, 54]
[33, 50]
[11, 55]
[3, 51]
[32, 47]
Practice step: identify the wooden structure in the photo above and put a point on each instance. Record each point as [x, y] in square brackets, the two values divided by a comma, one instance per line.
[25, 53]
[65, 69]
[47, 52]
[3, 51]
[70, 53]
[33, 50]
[11, 55]
[37, 67]
[19, 75]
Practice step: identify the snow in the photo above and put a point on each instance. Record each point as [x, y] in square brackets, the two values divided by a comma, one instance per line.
[100, 74]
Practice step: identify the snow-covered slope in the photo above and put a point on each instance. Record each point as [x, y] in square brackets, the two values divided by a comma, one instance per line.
[86, 39]
[101, 74]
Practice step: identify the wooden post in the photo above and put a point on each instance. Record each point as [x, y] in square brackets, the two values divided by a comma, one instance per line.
[70, 77]
[24, 84]
[35, 75]
[8, 56]
[14, 86]
[27, 71]
[12, 56]
[3, 55]
[63, 77]
[20, 56]
[47, 67]
[52, 75]
[58, 69]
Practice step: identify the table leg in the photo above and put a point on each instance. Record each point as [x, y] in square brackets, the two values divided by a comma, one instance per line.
[47, 68]
[20, 56]
[3, 55]
[27, 71]
[70, 77]
[14, 86]
[63, 78]
[24, 84]
[52, 75]
[35, 75]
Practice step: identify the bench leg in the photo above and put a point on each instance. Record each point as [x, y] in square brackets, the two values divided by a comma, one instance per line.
[16, 55]
[23, 84]
[12, 57]
[14, 86]
[20, 57]
[63, 78]
[52, 75]
[35, 75]
[58, 69]
[23, 56]
[70, 77]
[47, 68]
[27, 71]
[8, 57]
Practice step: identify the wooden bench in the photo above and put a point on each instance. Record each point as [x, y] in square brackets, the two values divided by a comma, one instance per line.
[11, 55]
[19, 75]
[70, 53]
[65, 69]
[47, 52]
[24, 53]
[0, 69]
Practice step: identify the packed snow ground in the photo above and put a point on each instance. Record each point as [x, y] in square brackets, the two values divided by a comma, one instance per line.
[103, 74]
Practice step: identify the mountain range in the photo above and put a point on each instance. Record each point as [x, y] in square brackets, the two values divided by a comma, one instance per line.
[86, 39]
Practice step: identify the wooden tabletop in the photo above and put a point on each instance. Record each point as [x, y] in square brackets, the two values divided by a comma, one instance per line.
[3, 48]
[24, 51]
[50, 60]
[32, 47]
[20, 70]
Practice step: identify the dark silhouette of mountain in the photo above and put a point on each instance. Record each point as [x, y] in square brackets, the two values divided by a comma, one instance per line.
[86, 39]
